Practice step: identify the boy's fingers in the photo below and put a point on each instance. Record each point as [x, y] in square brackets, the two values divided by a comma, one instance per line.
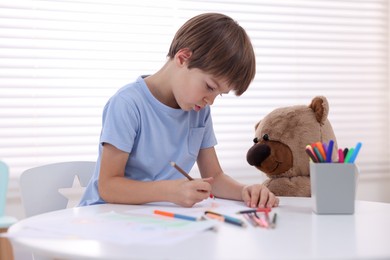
[209, 180]
[202, 185]
[273, 201]
[246, 197]
[255, 194]
[203, 188]
[276, 202]
[264, 197]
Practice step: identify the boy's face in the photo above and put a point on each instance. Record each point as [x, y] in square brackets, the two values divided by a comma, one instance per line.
[195, 89]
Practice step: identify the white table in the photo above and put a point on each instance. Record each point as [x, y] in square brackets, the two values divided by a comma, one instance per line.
[299, 234]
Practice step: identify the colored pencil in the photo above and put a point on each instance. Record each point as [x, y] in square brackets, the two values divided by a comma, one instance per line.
[329, 151]
[179, 169]
[350, 152]
[175, 215]
[310, 152]
[227, 219]
[273, 223]
[355, 153]
[254, 210]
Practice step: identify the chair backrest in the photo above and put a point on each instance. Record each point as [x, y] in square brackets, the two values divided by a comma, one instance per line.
[3, 186]
[40, 186]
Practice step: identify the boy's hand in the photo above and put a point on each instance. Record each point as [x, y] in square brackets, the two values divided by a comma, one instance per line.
[188, 193]
[259, 196]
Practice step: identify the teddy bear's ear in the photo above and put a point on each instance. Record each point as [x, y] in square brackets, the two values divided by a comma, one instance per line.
[320, 107]
[257, 124]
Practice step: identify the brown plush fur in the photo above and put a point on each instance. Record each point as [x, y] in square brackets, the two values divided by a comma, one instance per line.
[280, 141]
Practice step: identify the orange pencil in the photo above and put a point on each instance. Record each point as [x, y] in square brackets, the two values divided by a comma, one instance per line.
[175, 215]
[321, 149]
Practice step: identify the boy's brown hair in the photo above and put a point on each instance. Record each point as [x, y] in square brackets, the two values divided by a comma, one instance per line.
[219, 47]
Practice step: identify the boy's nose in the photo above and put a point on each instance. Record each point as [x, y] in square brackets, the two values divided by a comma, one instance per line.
[209, 100]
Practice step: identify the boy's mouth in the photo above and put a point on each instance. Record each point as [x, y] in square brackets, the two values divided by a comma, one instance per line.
[197, 108]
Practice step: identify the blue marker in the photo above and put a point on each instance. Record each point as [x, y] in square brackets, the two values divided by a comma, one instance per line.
[329, 151]
[355, 153]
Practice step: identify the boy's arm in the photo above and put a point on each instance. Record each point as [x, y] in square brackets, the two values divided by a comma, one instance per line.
[224, 186]
[115, 188]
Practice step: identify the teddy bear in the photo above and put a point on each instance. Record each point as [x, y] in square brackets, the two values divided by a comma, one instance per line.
[280, 141]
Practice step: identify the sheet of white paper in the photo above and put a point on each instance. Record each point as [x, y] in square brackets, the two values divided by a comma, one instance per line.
[137, 226]
[226, 207]
[124, 228]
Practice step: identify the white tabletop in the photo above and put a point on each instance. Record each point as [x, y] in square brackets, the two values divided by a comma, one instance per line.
[299, 234]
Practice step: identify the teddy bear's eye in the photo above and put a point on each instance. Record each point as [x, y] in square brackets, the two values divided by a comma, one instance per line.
[265, 137]
[255, 140]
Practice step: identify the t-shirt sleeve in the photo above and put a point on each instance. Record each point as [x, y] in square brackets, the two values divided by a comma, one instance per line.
[120, 123]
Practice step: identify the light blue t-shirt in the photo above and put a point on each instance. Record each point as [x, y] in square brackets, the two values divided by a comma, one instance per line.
[154, 134]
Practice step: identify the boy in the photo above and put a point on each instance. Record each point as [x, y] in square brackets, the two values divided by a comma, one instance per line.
[166, 117]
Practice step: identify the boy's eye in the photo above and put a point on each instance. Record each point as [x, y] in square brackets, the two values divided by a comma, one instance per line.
[209, 88]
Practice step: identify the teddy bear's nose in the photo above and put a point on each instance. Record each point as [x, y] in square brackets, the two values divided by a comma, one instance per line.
[257, 154]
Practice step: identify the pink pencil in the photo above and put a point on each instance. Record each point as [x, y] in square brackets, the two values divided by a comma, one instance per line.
[341, 156]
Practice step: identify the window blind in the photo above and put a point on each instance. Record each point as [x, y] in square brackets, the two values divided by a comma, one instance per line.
[62, 60]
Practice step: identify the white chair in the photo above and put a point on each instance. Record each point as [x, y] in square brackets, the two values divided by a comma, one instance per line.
[5, 221]
[41, 186]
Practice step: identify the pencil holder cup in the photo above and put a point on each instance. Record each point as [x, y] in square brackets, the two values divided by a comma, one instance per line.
[3, 186]
[333, 187]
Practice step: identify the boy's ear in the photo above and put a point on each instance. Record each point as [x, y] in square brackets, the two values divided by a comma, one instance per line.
[182, 56]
